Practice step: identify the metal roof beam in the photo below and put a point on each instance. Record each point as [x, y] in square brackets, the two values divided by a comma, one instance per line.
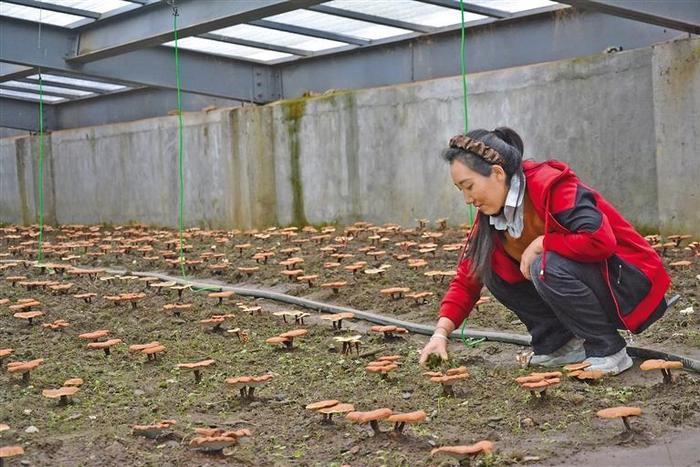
[226, 78]
[683, 15]
[152, 24]
[264, 23]
[372, 18]
[125, 106]
[470, 7]
[55, 7]
[24, 115]
[10, 71]
[520, 40]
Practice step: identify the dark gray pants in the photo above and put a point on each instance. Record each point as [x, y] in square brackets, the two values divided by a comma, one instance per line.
[572, 300]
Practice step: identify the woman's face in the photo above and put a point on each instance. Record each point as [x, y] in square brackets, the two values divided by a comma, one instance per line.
[488, 194]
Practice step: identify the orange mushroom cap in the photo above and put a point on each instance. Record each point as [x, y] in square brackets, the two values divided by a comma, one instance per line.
[482, 446]
[60, 392]
[11, 451]
[337, 408]
[322, 404]
[103, 345]
[409, 417]
[657, 364]
[373, 415]
[621, 411]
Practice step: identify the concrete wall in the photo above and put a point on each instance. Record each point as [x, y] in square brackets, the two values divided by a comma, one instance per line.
[676, 73]
[626, 122]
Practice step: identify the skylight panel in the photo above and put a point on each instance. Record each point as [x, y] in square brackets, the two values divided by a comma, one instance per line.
[230, 50]
[38, 15]
[272, 36]
[337, 24]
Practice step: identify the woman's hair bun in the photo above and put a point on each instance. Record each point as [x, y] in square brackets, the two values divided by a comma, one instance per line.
[509, 136]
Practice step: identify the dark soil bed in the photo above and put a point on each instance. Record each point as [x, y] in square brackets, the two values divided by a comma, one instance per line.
[124, 389]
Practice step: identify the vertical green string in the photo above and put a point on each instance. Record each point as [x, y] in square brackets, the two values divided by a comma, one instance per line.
[180, 152]
[179, 148]
[464, 70]
[40, 254]
[465, 93]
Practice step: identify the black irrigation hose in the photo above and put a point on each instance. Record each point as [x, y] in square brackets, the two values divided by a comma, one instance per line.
[509, 338]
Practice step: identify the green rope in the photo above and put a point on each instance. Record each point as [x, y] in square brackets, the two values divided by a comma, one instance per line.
[180, 165]
[181, 201]
[465, 94]
[40, 254]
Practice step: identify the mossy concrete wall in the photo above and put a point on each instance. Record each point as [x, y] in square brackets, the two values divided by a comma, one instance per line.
[626, 122]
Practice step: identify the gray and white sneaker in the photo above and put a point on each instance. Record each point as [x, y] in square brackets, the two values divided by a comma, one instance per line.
[571, 352]
[612, 364]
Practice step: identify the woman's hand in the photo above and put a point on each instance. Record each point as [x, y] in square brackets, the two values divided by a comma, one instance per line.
[437, 346]
[531, 252]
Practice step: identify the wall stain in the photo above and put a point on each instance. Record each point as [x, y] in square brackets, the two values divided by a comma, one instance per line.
[293, 111]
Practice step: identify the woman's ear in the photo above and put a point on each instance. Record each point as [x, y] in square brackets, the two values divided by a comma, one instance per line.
[499, 173]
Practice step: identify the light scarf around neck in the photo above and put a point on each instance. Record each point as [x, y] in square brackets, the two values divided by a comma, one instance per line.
[511, 217]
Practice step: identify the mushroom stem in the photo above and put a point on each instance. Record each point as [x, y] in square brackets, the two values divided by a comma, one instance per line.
[398, 427]
[667, 375]
[375, 427]
[448, 390]
[106, 351]
[25, 377]
[627, 424]
[242, 391]
[289, 345]
[197, 376]
[63, 400]
[251, 390]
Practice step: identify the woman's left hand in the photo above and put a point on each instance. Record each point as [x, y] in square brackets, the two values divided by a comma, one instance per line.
[533, 249]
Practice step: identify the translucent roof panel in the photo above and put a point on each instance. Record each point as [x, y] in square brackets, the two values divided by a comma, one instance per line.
[272, 36]
[48, 89]
[84, 83]
[512, 6]
[406, 10]
[98, 6]
[29, 95]
[336, 24]
[36, 14]
[230, 50]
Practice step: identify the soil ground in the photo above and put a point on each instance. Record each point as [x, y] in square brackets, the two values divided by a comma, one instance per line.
[124, 389]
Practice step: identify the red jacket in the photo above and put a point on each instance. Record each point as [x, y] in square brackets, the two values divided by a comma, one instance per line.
[581, 225]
